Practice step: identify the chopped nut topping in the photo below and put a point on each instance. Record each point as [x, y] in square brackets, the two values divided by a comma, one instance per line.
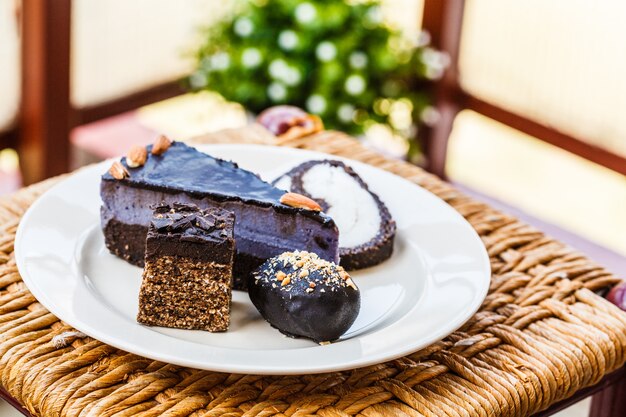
[283, 270]
[137, 156]
[161, 145]
[118, 171]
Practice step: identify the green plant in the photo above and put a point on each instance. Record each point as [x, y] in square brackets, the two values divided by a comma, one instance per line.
[337, 59]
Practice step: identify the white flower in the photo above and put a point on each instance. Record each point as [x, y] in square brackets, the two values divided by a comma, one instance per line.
[374, 15]
[355, 84]
[306, 12]
[277, 91]
[198, 80]
[292, 77]
[326, 51]
[316, 104]
[251, 57]
[433, 73]
[382, 106]
[206, 63]
[435, 61]
[287, 40]
[278, 69]
[243, 27]
[281, 71]
[345, 112]
[220, 61]
[400, 114]
[423, 38]
[430, 116]
[358, 60]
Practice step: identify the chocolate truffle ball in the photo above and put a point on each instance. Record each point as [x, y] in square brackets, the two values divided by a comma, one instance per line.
[303, 295]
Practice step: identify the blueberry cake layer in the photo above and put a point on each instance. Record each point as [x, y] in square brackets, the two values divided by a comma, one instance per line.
[265, 227]
[187, 277]
[366, 229]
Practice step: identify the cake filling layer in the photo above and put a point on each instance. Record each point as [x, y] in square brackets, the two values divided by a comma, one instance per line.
[260, 232]
[353, 208]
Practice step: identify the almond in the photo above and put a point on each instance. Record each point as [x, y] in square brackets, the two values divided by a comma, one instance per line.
[161, 145]
[137, 156]
[118, 171]
[299, 201]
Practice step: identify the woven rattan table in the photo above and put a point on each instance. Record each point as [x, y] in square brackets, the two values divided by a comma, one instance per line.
[541, 335]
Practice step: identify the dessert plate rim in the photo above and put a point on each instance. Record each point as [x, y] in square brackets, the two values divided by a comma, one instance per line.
[50, 272]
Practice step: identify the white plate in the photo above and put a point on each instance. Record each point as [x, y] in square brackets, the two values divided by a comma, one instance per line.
[435, 281]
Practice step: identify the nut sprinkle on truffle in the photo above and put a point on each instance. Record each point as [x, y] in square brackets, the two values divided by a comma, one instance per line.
[298, 265]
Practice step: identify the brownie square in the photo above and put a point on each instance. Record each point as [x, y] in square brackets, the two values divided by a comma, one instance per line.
[186, 282]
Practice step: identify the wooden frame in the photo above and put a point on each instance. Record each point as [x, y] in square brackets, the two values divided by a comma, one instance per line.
[47, 116]
[131, 102]
[9, 139]
[44, 119]
[443, 19]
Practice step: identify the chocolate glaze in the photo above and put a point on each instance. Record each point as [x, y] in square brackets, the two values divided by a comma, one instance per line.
[184, 168]
[184, 230]
[380, 247]
[319, 304]
[191, 223]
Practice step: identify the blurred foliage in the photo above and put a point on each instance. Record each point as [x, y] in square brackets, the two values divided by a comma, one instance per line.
[338, 59]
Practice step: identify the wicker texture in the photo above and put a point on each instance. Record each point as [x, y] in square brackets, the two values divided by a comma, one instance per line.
[541, 334]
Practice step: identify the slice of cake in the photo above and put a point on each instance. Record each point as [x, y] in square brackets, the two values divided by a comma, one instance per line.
[174, 172]
[188, 269]
[366, 228]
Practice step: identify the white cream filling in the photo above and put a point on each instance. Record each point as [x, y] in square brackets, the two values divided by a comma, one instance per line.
[354, 209]
[284, 183]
